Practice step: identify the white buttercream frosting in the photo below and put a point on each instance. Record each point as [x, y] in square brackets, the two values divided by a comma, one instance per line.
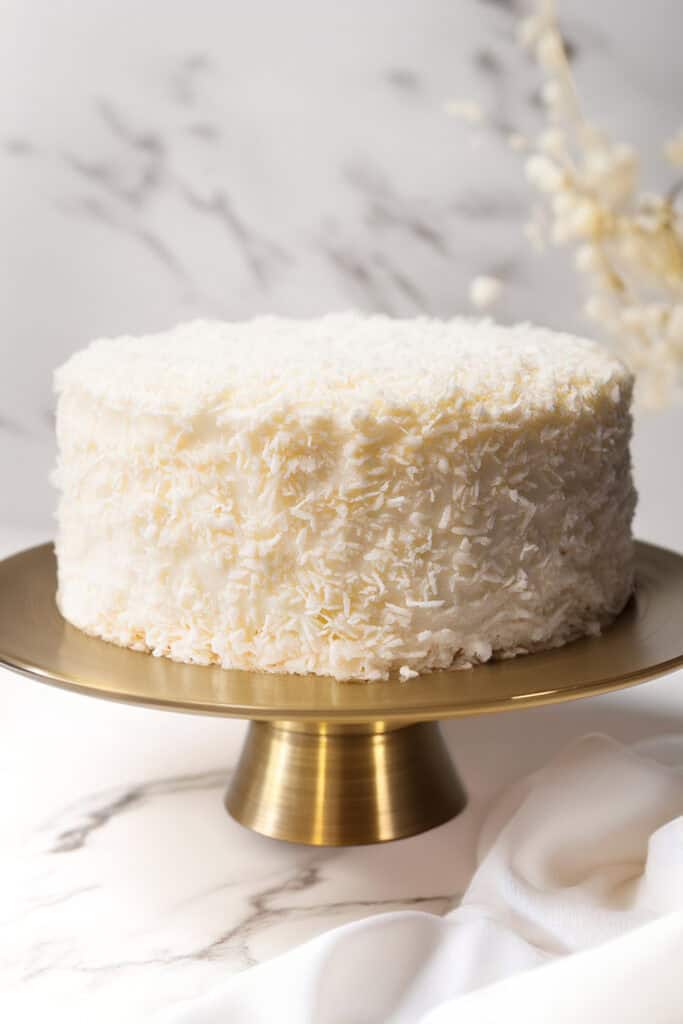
[346, 496]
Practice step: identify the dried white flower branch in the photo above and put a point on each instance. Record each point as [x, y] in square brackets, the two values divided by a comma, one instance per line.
[628, 244]
[485, 290]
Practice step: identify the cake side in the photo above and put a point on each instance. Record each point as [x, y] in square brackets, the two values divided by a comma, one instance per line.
[366, 523]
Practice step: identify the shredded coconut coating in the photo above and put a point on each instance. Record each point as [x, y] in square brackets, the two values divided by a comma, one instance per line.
[358, 497]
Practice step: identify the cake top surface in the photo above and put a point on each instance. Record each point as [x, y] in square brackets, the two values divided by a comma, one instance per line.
[346, 361]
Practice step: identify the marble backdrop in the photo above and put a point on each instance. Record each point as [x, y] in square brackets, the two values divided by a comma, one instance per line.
[166, 160]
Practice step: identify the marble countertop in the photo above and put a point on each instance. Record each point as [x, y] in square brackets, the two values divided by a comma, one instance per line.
[125, 886]
[164, 161]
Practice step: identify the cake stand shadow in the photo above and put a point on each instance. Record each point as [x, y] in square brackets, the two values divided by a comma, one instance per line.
[330, 763]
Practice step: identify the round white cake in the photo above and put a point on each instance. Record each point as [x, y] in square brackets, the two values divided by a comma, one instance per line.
[351, 496]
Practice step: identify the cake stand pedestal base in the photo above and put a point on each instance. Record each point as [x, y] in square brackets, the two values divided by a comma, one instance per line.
[332, 763]
[329, 784]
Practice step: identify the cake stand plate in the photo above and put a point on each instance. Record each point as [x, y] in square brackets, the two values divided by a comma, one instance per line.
[332, 763]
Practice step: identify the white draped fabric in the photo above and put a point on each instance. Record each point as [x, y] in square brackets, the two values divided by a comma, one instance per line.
[574, 913]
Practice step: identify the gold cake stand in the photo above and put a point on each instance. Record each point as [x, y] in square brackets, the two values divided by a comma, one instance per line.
[332, 763]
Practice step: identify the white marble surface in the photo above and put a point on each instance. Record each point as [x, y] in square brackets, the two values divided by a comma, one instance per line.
[169, 160]
[124, 886]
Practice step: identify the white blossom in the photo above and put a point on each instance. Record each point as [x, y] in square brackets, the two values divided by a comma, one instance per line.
[628, 244]
[518, 142]
[544, 173]
[485, 290]
[466, 110]
[674, 150]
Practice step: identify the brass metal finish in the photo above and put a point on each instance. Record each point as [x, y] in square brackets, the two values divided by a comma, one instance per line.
[326, 762]
[340, 785]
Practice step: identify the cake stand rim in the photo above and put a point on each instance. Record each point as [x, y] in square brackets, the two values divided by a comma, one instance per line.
[405, 708]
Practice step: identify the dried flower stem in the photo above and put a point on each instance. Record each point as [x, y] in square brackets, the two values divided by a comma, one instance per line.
[630, 246]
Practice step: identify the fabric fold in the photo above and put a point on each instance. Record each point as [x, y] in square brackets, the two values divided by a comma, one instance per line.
[574, 912]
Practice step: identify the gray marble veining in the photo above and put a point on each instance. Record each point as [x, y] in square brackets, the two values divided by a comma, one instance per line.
[75, 825]
[234, 161]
